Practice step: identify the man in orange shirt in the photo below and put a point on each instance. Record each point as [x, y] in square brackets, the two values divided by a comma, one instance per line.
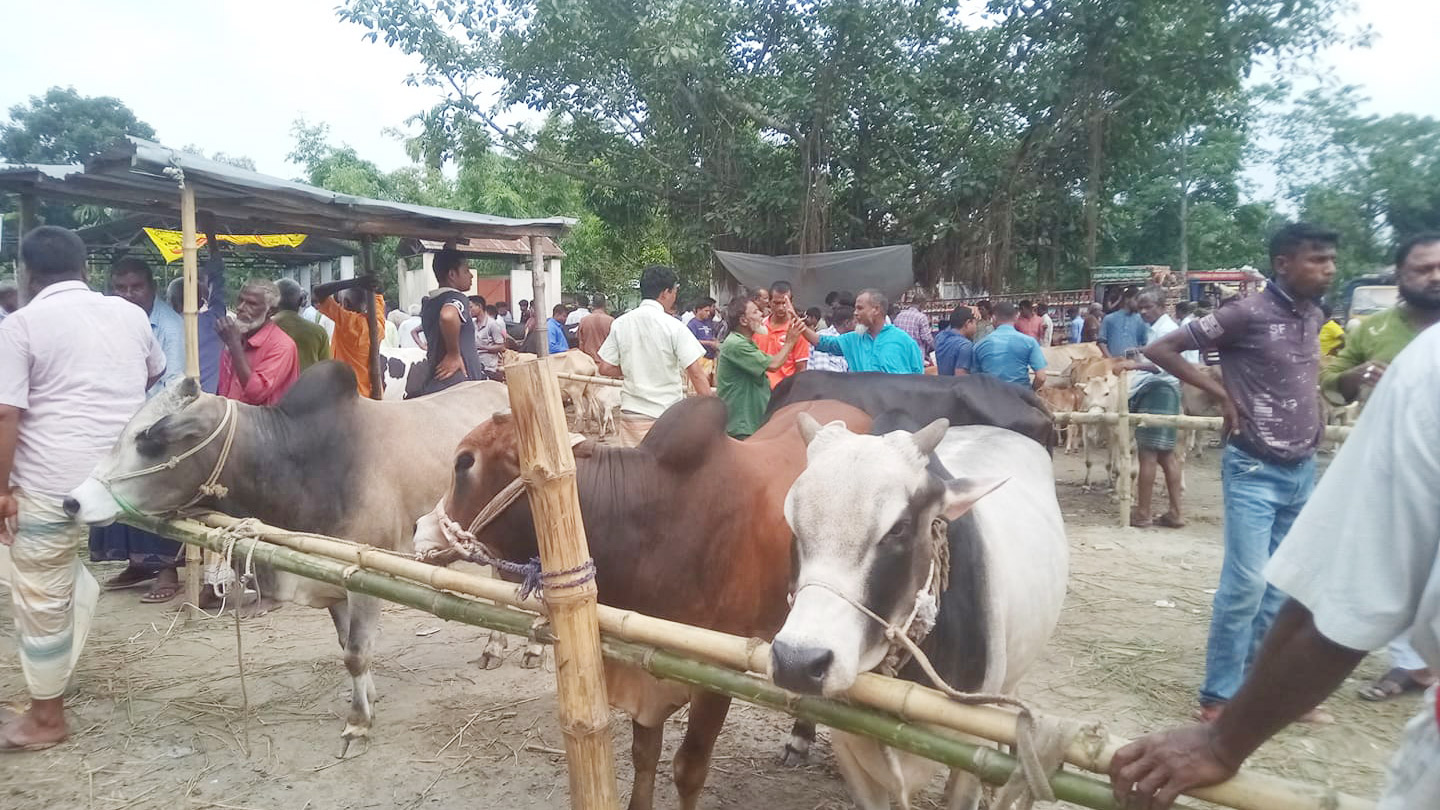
[782, 319]
[350, 344]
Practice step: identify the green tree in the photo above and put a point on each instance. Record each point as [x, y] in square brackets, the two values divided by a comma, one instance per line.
[63, 126]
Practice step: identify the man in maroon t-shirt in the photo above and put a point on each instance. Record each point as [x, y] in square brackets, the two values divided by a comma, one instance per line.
[1269, 348]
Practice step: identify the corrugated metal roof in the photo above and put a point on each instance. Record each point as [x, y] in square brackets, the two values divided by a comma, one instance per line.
[140, 175]
[492, 247]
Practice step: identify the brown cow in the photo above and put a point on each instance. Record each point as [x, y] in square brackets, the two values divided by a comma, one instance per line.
[688, 526]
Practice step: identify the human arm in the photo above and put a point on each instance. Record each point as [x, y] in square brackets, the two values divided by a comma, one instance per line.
[1346, 372]
[609, 361]
[699, 380]
[1102, 339]
[9, 437]
[1166, 353]
[1038, 363]
[451, 363]
[1296, 669]
[324, 292]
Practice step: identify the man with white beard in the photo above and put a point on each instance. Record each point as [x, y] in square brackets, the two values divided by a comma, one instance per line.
[260, 362]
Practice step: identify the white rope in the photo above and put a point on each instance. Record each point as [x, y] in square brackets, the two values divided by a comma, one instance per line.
[211, 487]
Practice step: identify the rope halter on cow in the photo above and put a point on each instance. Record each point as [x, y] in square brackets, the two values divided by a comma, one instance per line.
[465, 542]
[211, 487]
[1040, 744]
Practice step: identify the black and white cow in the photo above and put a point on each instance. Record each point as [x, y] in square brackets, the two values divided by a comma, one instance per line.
[865, 514]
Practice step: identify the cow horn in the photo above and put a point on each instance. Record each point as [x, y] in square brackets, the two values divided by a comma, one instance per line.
[928, 438]
[808, 427]
[962, 493]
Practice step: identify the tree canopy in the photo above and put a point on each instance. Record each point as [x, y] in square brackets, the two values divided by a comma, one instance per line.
[63, 126]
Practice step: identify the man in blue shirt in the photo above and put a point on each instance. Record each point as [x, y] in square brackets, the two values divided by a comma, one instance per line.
[555, 330]
[877, 345]
[132, 279]
[1008, 354]
[954, 346]
[1124, 331]
[1077, 324]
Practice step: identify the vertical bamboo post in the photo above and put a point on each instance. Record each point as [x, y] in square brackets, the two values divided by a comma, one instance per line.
[29, 217]
[367, 262]
[1125, 449]
[190, 251]
[539, 302]
[548, 468]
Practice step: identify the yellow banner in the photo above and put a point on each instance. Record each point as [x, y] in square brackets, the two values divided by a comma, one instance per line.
[171, 243]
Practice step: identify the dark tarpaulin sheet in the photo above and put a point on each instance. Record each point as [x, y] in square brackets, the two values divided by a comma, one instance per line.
[887, 269]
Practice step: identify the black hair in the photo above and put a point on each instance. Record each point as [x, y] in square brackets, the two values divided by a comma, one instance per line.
[735, 312]
[984, 305]
[831, 297]
[702, 302]
[1027, 304]
[1129, 292]
[813, 312]
[841, 313]
[581, 302]
[1072, 312]
[960, 317]
[781, 288]
[445, 261]
[1419, 240]
[1296, 235]
[492, 311]
[1005, 310]
[656, 279]
[559, 309]
[477, 300]
[132, 266]
[845, 299]
[1183, 308]
[53, 253]
[598, 300]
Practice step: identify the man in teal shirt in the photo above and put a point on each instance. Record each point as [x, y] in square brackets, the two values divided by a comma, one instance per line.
[876, 346]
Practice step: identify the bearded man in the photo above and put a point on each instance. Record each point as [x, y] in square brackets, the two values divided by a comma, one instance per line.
[1358, 367]
[260, 361]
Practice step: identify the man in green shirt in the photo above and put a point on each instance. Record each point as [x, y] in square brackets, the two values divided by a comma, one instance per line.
[1381, 336]
[740, 379]
[1359, 365]
[311, 343]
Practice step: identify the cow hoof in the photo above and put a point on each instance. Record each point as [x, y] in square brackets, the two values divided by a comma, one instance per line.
[491, 660]
[794, 757]
[349, 736]
[532, 660]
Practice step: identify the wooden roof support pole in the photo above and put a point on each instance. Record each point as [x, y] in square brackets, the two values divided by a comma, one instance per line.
[548, 467]
[367, 267]
[194, 570]
[1124, 450]
[29, 218]
[539, 301]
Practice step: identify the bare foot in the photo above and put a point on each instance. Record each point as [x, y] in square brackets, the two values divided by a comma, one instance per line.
[26, 733]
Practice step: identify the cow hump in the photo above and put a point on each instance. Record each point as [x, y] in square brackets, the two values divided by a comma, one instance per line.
[682, 436]
[322, 387]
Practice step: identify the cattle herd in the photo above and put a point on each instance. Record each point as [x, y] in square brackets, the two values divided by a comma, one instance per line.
[866, 503]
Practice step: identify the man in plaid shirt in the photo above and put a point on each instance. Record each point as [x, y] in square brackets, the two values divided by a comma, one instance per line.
[916, 324]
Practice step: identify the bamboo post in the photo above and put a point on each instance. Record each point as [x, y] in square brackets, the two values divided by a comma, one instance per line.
[406, 581]
[539, 301]
[1124, 448]
[377, 380]
[194, 571]
[29, 216]
[548, 468]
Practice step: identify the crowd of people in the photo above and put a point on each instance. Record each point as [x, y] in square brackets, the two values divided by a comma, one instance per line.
[1361, 568]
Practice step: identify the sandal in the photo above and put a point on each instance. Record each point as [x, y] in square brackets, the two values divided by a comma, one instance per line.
[1391, 685]
[1140, 521]
[160, 594]
[130, 578]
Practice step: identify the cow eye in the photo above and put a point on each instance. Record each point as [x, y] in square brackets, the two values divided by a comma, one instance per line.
[464, 461]
[148, 445]
[899, 531]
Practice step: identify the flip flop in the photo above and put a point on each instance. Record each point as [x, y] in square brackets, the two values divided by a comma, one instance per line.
[160, 594]
[129, 578]
[1393, 684]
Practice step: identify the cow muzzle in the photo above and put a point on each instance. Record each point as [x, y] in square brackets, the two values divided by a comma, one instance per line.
[429, 536]
[800, 669]
[92, 503]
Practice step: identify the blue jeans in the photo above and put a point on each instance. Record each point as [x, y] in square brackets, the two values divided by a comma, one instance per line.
[1262, 501]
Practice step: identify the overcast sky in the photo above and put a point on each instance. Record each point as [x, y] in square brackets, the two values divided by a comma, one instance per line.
[233, 76]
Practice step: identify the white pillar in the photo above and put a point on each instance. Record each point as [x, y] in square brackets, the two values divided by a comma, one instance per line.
[347, 267]
[552, 280]
[522, 286]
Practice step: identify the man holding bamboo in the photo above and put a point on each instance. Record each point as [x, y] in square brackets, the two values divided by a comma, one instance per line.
[74, 366]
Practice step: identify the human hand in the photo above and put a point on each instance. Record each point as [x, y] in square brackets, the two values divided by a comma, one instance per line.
[448, 367]
[1367, 373]
[1150, 773]
[371, 284]
[1232, 420]
[9, 515]
[228, 331]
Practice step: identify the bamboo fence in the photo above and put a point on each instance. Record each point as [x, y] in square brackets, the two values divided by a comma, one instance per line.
[586, 378]
[366, 570]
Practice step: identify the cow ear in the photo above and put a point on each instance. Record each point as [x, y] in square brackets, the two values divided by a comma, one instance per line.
[962, 493]
[189, 388]
[808, 427]
[928, 438]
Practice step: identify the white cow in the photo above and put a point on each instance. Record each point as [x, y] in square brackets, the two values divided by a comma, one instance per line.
[868, 513]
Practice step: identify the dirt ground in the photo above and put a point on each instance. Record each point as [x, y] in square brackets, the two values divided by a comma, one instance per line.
[158, 720]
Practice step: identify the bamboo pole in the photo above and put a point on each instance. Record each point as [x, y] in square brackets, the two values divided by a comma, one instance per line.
[1124, 447]
[377, 379]
[585, 378]
[910, 701]
[539, 301]
[194, 570]
[29, 217]
[548, 468]
[1213, 423]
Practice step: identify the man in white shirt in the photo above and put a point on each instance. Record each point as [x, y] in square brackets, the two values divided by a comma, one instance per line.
[653, 352]
[1361, 565]
[409, 329]
[74, 366]
[9, 298]
[582, 308]
[1047, 325]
